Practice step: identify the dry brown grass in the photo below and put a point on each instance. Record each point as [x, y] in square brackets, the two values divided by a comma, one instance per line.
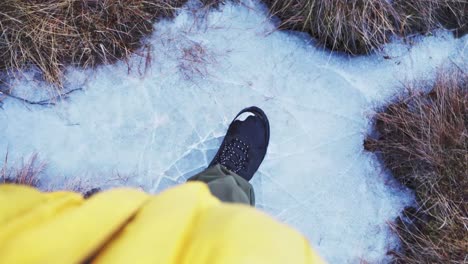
[26, 173]
[212, 3]
[29, 171]
[355, 27]
[425, 15]
[423, 140]
[360, 26]
[51, 34]
[195, 61]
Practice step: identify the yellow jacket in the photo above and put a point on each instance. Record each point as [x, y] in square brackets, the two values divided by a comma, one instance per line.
[185, 224]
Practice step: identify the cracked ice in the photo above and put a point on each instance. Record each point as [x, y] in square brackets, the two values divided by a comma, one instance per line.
[154, 128]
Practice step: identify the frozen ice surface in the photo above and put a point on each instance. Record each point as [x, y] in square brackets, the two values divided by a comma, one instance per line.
[154, 128]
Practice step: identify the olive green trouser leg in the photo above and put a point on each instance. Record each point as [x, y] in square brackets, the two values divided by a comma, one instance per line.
[226, 185]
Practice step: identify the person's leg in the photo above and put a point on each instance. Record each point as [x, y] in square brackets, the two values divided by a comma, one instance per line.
[226, 185]
[241, 153]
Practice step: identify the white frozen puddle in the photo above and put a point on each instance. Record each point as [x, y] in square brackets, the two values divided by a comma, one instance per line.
[159, 127]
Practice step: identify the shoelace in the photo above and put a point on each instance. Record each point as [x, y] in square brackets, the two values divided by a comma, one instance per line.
[234, 155]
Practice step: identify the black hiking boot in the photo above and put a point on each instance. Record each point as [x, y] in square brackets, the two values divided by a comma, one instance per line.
[245, 144]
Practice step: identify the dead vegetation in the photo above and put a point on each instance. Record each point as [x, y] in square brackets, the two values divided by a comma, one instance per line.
[425, 15]
[51, 34]
[26, 173]
[29, 172]
[360, 26]
[423, 140]
[195, 60]
[213, 3]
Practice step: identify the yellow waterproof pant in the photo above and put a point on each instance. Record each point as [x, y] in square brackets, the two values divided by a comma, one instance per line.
[185, 224]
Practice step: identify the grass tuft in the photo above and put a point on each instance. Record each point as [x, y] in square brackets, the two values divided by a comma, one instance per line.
[27, 173]
[425, 15]
[361, 26]
[423, 140]
[51, 34]
[355, 27]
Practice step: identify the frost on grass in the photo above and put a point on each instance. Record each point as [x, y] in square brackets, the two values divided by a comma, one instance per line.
[160, 127]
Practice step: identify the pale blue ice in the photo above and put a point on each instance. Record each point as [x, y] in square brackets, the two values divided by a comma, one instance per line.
[156, 127]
